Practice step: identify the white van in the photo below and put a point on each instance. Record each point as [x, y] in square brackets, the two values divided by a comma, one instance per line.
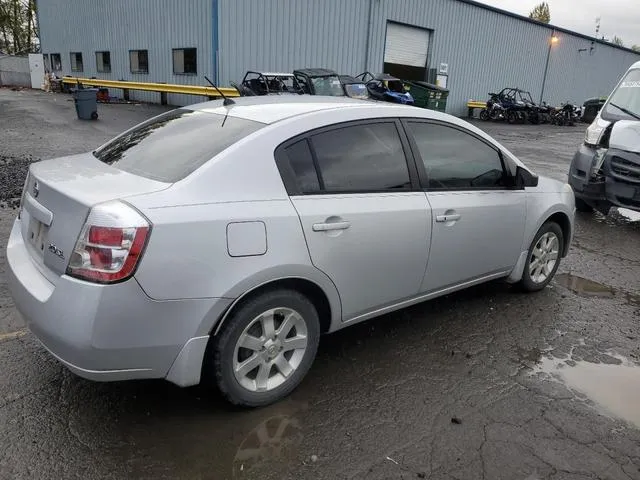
[605, 171]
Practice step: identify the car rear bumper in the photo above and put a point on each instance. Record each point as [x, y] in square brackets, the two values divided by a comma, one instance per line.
[108, 332]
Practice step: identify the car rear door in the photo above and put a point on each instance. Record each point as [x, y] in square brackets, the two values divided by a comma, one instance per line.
[478, 218]
[365, 219]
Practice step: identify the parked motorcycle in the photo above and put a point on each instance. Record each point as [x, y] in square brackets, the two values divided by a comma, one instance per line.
[566, 114]
[494, 109]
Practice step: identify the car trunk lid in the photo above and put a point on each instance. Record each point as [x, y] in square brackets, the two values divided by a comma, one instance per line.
[57, 197]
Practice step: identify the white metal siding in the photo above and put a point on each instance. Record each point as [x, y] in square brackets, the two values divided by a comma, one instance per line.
[406, 45]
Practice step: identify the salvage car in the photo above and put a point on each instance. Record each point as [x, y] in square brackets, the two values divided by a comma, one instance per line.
[605, 170]
[215, 243]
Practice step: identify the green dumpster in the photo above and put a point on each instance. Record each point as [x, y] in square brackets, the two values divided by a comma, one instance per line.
[428, 95]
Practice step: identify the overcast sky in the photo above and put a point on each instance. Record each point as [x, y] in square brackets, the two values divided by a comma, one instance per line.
[617, 17]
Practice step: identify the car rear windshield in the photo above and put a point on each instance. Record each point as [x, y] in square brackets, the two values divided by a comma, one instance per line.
[173, 145]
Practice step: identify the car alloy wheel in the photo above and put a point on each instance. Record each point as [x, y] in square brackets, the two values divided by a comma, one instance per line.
[544, 257]
[264, 348]
[270, 349]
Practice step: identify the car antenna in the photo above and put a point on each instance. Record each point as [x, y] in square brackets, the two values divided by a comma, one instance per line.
[227, 101]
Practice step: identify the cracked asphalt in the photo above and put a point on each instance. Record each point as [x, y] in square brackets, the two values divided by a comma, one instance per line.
[449, 389]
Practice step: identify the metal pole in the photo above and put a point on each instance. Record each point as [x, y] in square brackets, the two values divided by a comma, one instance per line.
[546, 66]
[368, 39]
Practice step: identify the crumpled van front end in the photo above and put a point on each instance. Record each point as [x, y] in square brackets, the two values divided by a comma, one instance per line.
[605, 171]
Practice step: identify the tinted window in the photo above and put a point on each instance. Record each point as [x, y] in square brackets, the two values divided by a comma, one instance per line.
[173, 145]
[362, 158]
[455, 159]
[299, 157]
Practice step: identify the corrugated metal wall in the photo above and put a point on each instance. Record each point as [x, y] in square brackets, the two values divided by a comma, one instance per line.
[118, 26]
[282, 35]
[485, 50]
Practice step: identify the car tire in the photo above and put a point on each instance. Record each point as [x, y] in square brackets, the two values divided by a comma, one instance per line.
[226, 356]
[532, 279]
[583, 206]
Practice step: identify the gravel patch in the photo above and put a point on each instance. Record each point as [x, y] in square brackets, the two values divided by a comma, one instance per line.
[13, 171]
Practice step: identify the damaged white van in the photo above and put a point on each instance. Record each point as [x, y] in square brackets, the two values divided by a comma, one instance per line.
[605, 171]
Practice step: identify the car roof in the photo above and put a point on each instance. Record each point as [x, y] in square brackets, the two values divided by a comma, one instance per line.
[270, 109]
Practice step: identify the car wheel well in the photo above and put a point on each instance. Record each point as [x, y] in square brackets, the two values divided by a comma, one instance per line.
[563, 221]
[307, 288]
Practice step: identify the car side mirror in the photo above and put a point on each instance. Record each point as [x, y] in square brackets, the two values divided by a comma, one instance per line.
[524, 178]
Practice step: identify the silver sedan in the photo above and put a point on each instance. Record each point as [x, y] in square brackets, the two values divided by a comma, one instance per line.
[217, 242]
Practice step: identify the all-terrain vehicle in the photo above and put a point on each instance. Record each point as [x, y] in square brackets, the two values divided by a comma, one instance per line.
[267, 83]
[385, 87]
[605, 171]
[354, 88]
[319, 81]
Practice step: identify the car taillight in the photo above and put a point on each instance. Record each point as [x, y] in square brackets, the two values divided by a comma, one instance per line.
[110, 244]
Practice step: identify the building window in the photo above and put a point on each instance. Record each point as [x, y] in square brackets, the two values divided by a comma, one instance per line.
[47, 63]
[56, 62]
[139, 61]
[103, 62]
[185, 61]
[76, 62]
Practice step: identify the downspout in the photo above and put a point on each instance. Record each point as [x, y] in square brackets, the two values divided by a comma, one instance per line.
[368, 39]
[214, 42]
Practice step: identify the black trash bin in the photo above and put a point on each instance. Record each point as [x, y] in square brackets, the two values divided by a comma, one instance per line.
[86, 100]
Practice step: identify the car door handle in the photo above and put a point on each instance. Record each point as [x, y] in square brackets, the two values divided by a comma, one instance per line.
[450, 217]
[325, 227]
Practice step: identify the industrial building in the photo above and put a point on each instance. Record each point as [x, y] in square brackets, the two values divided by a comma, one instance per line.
[469, 47]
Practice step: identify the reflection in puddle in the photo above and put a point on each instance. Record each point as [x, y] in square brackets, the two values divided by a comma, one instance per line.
[614, 388]
[273, 441]
[589, 288]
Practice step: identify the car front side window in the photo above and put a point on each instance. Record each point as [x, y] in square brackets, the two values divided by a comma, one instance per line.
[456, 160]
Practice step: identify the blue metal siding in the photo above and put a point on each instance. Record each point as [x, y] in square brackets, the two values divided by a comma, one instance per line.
[118, 26]
[281, 35]
[485, 49]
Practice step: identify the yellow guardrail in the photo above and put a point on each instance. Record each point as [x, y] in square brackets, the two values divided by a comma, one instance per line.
[473, 104]
[162, 88]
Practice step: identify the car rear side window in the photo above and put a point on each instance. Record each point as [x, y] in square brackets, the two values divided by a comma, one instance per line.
[170, 147]
[454, 159]
[301, 162]
[361, 158]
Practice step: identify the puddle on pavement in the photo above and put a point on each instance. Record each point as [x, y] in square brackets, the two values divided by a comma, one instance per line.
[588, 288]
[615, 389]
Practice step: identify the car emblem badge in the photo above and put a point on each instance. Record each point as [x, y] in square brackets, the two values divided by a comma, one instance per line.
[56, 251]
[36, 189]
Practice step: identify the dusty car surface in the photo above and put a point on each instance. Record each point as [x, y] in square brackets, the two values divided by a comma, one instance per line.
[217, 243]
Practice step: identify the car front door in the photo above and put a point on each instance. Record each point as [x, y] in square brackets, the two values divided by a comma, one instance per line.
[478, 217]
[366, 221]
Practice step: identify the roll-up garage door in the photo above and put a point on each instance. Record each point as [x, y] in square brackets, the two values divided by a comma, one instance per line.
[406, 45]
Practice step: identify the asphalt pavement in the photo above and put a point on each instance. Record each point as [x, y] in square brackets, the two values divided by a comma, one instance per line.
[487, 383]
